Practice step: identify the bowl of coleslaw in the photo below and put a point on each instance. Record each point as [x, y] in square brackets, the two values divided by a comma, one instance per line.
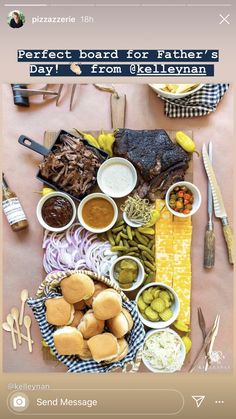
[163, 351]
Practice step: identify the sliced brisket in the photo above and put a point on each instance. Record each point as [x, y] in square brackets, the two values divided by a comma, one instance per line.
[158, 160]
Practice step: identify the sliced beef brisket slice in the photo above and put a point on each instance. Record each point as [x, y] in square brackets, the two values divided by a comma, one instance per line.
[151, 151]
[169, 177]
[157, 181]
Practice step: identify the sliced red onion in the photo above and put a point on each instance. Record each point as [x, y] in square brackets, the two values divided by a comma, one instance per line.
[77, 248]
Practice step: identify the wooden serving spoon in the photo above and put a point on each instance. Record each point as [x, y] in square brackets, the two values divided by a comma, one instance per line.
[7, 328]
[10, 321]
[27, 323]
[15, 315]
[24, 296]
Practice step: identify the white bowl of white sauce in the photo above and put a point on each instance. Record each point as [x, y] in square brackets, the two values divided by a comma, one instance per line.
[117, 177]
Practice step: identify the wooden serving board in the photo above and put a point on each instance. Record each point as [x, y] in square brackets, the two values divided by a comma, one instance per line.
[50, 136]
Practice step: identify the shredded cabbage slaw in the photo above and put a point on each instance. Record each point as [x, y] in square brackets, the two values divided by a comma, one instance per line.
[163, 351]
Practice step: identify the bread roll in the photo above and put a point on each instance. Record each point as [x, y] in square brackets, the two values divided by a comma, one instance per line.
[80, 305]
[85, 353]
[122, 351]
[103, 347]
[77, 317]
[90, 326]
[77, 287]
[58, 311]
[99, 286]
[107, 304]
[68, 341]
[120, 324]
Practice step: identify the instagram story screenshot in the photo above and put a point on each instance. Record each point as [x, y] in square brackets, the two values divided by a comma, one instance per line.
[117, 157]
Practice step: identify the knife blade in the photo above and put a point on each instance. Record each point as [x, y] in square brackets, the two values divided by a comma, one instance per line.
[209, 239]
[209, 192]
[219, 207]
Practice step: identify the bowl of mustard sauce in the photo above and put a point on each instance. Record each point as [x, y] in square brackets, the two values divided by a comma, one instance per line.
[97, 212]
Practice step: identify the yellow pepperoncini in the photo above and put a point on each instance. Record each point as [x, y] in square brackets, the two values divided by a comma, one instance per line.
[91, 139]
[187, 343]
[106, 142]
[46, 191]
[88, 137]
[101, 140]
[110, 139]
[186, 142]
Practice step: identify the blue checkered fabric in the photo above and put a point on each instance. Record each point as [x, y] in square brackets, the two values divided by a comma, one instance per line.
[201, 103]
[135, 338]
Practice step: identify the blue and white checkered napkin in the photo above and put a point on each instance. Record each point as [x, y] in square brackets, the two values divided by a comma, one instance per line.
[135, 338]
[201, 103]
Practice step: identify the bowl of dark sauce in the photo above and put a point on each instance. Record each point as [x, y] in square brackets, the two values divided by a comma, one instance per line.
[56, 211]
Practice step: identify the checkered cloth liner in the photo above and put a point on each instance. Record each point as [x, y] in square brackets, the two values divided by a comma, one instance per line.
[201, 103]
[135, 338]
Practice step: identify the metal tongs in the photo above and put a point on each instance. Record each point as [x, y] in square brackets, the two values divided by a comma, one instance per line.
[25, 92]
[21, 94]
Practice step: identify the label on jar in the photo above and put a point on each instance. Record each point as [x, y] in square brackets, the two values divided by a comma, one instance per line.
[13, 211]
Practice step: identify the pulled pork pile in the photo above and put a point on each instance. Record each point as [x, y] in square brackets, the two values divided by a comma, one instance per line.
[71, 166]
[159, 162]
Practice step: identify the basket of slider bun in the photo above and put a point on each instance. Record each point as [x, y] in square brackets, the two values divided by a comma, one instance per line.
[88, 322]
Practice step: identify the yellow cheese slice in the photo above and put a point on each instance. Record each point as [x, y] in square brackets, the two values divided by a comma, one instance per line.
[173, 256]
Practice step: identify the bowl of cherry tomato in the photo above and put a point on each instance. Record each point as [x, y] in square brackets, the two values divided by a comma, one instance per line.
[183, 199]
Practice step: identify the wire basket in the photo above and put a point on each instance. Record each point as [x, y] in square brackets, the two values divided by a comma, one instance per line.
[50, 288]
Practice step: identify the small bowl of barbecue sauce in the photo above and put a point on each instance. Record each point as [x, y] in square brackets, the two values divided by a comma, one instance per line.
[56, 211]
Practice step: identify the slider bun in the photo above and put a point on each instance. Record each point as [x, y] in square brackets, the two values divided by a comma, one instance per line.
[85, 353]
[90, 326]
[68, 341]
[122, 351]
[80, 305]
[107, 304]
[99, 286]
[58, 311]
[103, 347]
[77, 317]
[77, 287]
[120, 324]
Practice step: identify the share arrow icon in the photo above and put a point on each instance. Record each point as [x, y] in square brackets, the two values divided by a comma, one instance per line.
[198, 400]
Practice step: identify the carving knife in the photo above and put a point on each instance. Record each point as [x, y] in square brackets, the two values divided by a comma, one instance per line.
[219, 208]
[209, 240]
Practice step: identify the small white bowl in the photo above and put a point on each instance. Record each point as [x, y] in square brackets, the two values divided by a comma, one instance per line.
[175, 306]
[139, 279]
[40, 206]
[88, 198]
[169, 95]
[117, 177]
[197, 199]
[131, 223]
[181, 356]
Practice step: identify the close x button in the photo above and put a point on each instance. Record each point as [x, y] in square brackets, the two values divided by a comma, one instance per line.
[224, 19]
